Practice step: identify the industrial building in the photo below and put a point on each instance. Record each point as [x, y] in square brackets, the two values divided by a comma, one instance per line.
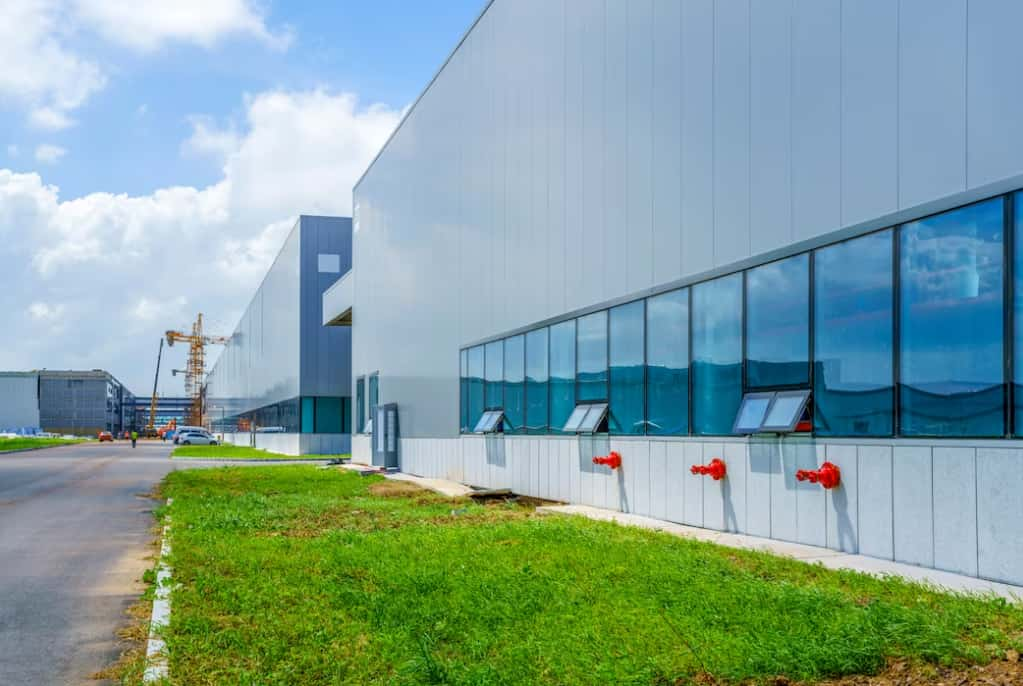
[168, 409]
[283, 380]
[82, 403]
[773, 234]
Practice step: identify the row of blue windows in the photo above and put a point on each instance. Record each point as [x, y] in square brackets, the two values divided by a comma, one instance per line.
[307, 414]
[905, 331]
[362, 410]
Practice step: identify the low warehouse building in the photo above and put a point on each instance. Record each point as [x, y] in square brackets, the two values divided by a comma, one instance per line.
[82, 403]
[776, 235]
[283, 381]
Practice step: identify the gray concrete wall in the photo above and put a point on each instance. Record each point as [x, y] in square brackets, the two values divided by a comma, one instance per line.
[955, 506]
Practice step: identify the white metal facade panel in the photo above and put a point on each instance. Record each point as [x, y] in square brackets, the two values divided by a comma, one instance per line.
[842, 511]
[999, 513]
[955, 509]
[758, 488]
[912, 505]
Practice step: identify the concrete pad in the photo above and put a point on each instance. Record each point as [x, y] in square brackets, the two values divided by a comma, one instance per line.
[451, 489]
[831, 559]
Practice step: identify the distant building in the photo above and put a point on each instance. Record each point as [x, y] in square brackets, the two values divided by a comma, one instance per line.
[283, 382]
[65, 402]
[167, 408]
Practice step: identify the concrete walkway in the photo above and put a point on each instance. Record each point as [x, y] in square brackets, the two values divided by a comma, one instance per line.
[832, 559]
[451, 489]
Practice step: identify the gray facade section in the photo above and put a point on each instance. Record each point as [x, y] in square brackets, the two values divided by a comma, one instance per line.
[573, 153]
[84, 403]
[19, 401]
[326, 352]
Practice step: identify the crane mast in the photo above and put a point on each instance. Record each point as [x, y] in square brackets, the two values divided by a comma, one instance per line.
[195, 370]
[151, 426]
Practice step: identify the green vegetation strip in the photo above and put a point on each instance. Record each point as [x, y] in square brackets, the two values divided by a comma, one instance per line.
[307, 576]
[12, 444]
[239, 452]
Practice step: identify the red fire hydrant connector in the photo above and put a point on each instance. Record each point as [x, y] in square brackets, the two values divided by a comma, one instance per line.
[828, 476]
[715, 469]
[614, 460]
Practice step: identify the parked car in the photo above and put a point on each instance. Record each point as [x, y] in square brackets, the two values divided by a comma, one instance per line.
[181, 430]
[105, 436]
[195, 438]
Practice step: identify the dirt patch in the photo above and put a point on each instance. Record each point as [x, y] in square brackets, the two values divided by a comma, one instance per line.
[1007, 672]
[396, 489]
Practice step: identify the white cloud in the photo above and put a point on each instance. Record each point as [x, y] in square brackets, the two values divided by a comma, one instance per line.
[126, 268]
[12, 150]
[40, 71]
[50, 119]
[44, 312]
[49, 154]
[147, 25]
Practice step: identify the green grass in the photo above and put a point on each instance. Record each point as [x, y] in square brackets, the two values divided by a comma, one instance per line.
[240, 452]
[296, 575]
[9, 444]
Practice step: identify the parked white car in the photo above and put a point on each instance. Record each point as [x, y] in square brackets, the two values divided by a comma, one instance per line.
[195, 438]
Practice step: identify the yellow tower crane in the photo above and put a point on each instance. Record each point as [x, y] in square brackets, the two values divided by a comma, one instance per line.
[195, 372]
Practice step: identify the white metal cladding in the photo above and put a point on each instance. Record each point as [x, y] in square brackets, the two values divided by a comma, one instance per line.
[909, 503]
[572, 152]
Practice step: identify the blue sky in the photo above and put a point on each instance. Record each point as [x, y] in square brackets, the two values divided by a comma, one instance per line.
[135, 133]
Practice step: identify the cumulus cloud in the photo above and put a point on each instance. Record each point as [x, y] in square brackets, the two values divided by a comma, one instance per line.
[48, 73]
[147, 25]
[126, 268]
[49, 154]
[44, 312]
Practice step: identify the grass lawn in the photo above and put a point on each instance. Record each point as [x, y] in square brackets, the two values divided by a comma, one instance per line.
[240, 452]
[9, 444]
[297, 575]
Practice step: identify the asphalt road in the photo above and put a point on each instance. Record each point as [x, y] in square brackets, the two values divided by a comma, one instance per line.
[74, 533]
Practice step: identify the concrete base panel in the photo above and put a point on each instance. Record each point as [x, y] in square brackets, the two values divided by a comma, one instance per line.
[883, 508]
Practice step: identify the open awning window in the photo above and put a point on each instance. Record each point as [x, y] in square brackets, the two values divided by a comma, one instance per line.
[490, 422]
[772, 412]
[586, 418]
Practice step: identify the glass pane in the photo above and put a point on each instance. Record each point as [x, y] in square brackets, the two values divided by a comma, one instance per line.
[576, 418]
[374, 392]
[594, 415]
[514, 384]
[667, 360]
[463, 391]
[481, 425]
[951, 352]
[475, 385]
[562, 372]
[308, 416]
[717, 354]
[360, 405]
[786, 411]
[495, 374]
[751, 413]
[626, 369]
[536, 381]
[328, 416]
[591, 337]
[778, 323]
[853, 392]
[1018, 316]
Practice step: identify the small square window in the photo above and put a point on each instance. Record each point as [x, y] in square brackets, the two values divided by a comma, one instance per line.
[786, 411]
[751, 412]
[575, 419]
[328, 264]
[490, 422]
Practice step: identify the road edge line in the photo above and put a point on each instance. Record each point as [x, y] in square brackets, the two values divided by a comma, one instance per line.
[157, 668]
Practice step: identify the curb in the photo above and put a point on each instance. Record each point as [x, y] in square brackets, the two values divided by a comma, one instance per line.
[32, 450]
[156, 660]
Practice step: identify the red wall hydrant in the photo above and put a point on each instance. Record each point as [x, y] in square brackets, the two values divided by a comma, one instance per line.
[614, 460]
[715, 469]
[828, 476]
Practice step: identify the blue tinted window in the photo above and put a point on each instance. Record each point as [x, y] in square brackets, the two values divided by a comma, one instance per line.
[514, 385]
[627, 371]
[329, 416]
[463, 391]
[360, 403]
[853, 392]
[591, 365]
[475, 386]
[1018, 316]
[778, 324]
[374, 391]
[308, 416]
[667, 360]
[494, 356]
[717, 354]
[951, 364]
[536, 381]
[562, 373]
